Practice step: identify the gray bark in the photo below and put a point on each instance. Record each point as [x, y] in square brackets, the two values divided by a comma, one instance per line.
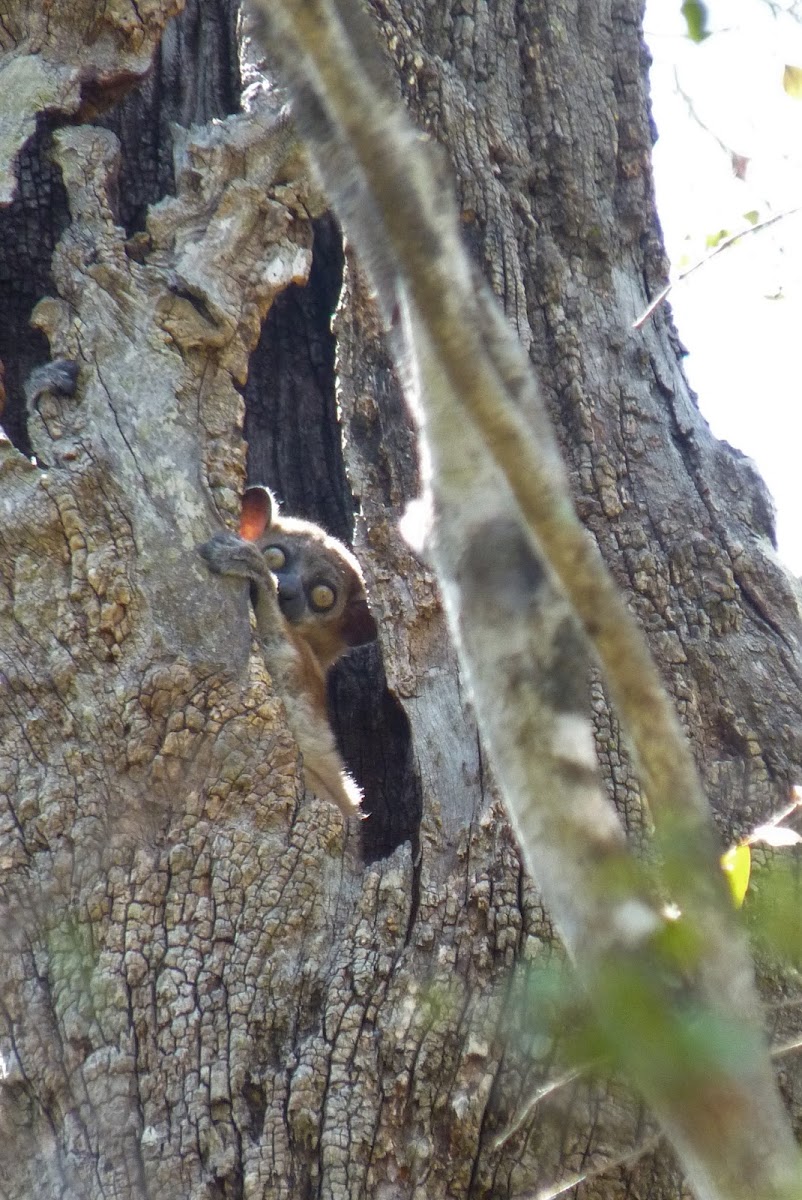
[206, 989]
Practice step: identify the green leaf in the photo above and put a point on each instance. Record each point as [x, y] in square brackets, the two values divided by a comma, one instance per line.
[753, 216]
[695, 14]
[775, 911]
[792, 81]
[736, 863]
[713, 239]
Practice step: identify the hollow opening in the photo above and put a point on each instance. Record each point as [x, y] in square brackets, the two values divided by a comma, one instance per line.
[30, 226]
[191, 82]
[295, 448]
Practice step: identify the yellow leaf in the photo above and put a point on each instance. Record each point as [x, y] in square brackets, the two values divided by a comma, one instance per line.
[736, 863]
[792, 81]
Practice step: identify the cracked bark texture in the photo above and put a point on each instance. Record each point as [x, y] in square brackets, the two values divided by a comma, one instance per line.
[210, 987]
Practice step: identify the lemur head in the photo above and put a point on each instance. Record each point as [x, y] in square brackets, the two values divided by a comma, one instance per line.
[321, 592]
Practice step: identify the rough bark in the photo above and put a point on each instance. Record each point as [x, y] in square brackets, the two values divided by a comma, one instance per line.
[206, 990]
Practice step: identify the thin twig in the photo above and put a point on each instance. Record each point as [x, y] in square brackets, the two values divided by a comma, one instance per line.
[624, 1160]
[537, 1097]
[723, 245]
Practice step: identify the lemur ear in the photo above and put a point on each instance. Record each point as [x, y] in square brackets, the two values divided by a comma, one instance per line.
[258, 507]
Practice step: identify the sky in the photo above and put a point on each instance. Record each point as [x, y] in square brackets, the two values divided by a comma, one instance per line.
[730, 144]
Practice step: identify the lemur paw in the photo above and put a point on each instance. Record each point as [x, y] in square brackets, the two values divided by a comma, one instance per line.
[228, 554]
[60, 376]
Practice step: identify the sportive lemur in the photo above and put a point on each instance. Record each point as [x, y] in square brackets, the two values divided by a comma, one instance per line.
[309, 599]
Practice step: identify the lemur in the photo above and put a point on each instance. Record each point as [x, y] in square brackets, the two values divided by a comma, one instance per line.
[309, 599]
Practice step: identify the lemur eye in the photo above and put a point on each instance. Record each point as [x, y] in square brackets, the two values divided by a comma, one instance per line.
[322, 597]
[275, 556]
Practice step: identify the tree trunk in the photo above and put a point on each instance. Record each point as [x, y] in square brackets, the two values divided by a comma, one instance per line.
[210, 986]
